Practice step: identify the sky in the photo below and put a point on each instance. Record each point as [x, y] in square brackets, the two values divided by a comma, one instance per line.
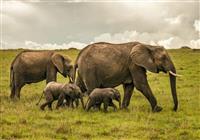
[63, 24]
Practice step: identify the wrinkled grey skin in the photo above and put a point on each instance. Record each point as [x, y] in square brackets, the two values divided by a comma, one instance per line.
[58, 91]
[105, 96]
[102, 65]
[35, 66]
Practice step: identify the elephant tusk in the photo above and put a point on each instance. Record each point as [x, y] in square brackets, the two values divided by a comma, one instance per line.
[174, 74]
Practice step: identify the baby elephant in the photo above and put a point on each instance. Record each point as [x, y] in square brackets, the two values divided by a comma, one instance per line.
[105, 96]
[58, 91]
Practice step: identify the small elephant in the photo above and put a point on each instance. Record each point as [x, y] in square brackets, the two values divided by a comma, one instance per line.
[105, 96]
[34, 66]
[58, 91]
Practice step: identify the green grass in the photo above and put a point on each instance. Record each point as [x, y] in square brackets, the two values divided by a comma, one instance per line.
[24, 120]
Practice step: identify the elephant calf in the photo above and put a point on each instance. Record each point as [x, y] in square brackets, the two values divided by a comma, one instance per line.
[58, 91]
[105, 96]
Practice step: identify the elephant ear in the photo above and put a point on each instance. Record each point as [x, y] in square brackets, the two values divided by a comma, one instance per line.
[69, 87]
[142, 56]
[67, 59]
[57, 60]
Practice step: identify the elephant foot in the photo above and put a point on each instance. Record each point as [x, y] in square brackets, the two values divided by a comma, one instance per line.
[50, 109]
[15, 99]
[175, 108]
[105, 111]
[157, 109]
[12, 96]
[124, 108]
[96, 109]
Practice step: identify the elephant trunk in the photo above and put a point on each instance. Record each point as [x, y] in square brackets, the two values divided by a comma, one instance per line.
[71, 74]
[172, 76]
[119, 100]
[120, 105]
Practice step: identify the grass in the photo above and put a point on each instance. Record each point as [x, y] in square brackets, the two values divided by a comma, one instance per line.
[24, 120]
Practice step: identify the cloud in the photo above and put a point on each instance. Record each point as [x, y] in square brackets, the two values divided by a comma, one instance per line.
[169, 41]
[6, 45]
[52, 21]
[33, 1]
[56, 25]
[77, 45]
[32, 45]
[50, 46]
[14, 6]
[165, 39]
[166, 43]
[3, 43]
[197, 25]
[125, 36]
[174, 20]
[195, 43]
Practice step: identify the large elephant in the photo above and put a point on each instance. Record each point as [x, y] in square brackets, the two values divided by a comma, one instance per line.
[102, 65]
[34, 66]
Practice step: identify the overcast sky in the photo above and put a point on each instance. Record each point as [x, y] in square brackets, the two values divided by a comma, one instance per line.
[60, 24]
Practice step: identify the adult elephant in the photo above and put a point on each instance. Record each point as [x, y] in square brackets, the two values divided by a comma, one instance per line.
[109, 65]
[34, 66]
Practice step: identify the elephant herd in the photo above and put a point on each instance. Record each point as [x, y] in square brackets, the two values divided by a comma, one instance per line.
[99, 68]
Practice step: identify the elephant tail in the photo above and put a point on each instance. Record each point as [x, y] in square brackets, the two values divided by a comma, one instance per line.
[11, 77]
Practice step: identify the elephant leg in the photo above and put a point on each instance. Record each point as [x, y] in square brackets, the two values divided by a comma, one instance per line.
[18, 90]
[18, 84]
[50, 105]
[42, 107]
[12, 95]
[91, 82]
[99, 106]
[88, 105]
[49, 101]
[128, 91]
[141, 84]
[77, 102]
[80, 84]
[72, 103]
[67, 103]
[105, 106]
[113, 105]
[60, 100]
[51, 74]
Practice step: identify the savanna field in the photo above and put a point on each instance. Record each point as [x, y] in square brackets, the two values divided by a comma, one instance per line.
[24, 120]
